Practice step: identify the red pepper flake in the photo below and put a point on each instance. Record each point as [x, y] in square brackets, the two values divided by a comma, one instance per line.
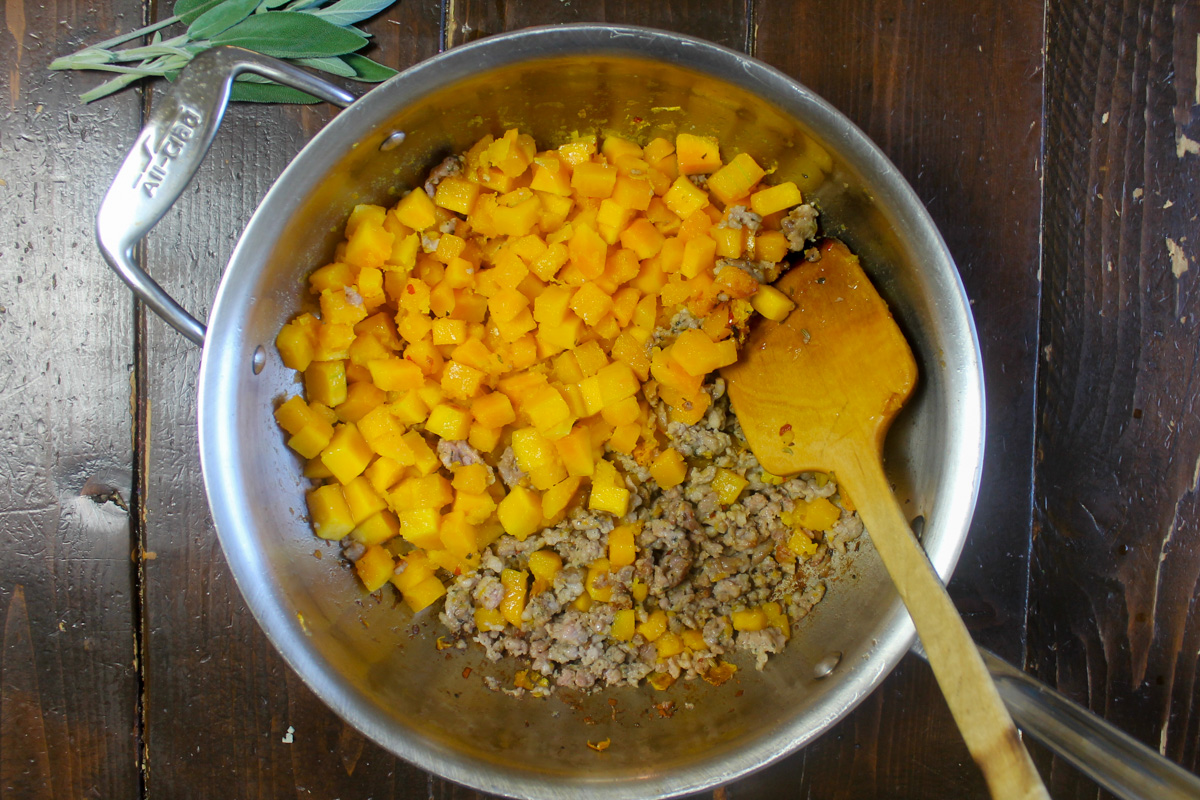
[466, 672]
[600, 747]
[786, 434]
[411, 289]
[665, 709]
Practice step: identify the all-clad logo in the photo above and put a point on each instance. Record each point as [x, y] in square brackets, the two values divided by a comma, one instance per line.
[161, 155]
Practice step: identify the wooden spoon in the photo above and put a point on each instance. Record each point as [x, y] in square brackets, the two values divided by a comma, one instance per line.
[818, 392]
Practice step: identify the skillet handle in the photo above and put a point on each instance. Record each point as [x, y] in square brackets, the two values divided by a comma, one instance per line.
[167, 154]
[1112, 758]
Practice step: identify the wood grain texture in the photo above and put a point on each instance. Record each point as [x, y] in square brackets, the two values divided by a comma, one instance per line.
[1117, 536]
[722, 21]
[224, 716]
[68, 682]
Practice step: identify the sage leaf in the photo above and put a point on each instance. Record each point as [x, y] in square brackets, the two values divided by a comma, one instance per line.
[367, 70]
[330, 64]
[243, 92]
[188, 11]
[290, 34]
[348, 12]
[221, 18]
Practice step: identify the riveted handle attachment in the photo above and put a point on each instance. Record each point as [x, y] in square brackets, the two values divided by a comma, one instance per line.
[167, 154]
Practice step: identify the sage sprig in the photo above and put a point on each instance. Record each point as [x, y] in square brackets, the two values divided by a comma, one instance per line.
[317, 34]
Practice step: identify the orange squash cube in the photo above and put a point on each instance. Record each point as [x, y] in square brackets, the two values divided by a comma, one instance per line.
[520, 512]
[735, 180]
[370, 245]
[668, 468]
[696, 154]
[684, 198]
[699, 255]
[591, 303]
[329, 513]
[449, 422]
[642, 238]
[632, 193]
[416, 210]
[775, 198]
[347, 453]
[458, 535]
[587, 251]
[624, 438]
[493, 410]
[362, 499]
[591, 179]
[556, 499]
[374, 567]
[475, 508]
[551, 175]
[424, 594]
[575, 452]
[770, 246]
[384, 473]
[296, 342]
[376, 529]
[456, 194]
[325, 382]
[537, 458]
[394, 374]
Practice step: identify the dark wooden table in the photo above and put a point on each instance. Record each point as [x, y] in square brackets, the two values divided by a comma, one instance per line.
[1054, 143]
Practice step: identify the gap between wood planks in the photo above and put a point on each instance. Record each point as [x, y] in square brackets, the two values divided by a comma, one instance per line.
[140, 467]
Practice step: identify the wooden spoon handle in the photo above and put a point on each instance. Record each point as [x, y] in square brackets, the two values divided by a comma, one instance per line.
[974, 701]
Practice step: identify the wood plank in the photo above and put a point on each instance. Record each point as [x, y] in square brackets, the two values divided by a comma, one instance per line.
[1117, 517]
[220, 702]
[68, 684]
[952, 94]
[724, 21]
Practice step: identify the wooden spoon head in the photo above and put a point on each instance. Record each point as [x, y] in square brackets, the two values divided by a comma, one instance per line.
[828, 380]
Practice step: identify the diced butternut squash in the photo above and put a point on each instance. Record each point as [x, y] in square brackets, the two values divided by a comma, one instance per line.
[772, 303]
[374, 567]
[668, 468]
[735, 180]
[623, 625]
[416, 210]
[347, 453]
[622, 550]
[696, 154]
[515, 585]
[329, 512]
[775, 198]
[728, 486]
[520, 512]
[684, 198]
[424, 594]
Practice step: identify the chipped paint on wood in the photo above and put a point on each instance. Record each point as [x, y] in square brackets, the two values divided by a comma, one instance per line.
[1179, 260]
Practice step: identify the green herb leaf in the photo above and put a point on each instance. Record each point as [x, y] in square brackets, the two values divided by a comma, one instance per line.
[331, 64]
[221, 18]
[108, 87]
[289, 34]
[348, 12]
[368, 70]
[189, 11]
[244, 92]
